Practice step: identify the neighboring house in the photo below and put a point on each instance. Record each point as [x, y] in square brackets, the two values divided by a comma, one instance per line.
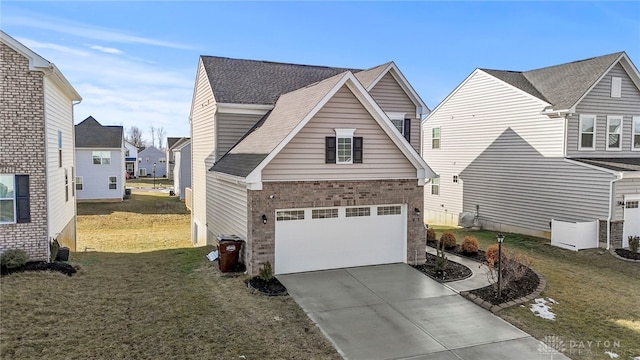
[314, 167]
[173, 143]
[523, 148]
[182, 167]
[37, 197]
[100, 161]
[131, 159]
[152, 162]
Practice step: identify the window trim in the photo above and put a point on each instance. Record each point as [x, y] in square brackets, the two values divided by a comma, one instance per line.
[616, 87]
[434, 138]
[80, 182]
[102, 157]
[619, 133]
[580, 132]
[435, 184]
[112, 183]
[634, 133]
[12, 199]
[344, 134]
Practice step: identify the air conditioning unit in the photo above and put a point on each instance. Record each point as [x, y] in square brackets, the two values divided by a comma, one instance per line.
[467, 219]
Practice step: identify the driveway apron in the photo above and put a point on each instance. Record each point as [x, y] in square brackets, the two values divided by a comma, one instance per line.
[396, 312]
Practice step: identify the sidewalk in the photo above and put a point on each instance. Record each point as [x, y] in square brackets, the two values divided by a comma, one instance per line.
[477, 280]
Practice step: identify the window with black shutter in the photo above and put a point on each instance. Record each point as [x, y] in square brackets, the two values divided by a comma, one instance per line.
[23, 207]
[357, 150]
[330, 151]
[407, 129]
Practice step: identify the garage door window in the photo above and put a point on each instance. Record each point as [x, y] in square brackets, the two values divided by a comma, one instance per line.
[290, 215]
[324, 213]
[389, 210]
[358, 211]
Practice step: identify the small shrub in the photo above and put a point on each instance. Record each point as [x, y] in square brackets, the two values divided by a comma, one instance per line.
[448, 239]
[491, 255]
[14, 258]
[431, 234]
[441, 260]
[266, 272]
[634, 243]
[469, 244]
[514, 266]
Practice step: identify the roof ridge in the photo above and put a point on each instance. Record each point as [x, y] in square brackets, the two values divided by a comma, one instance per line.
[280, 63]
[576, 61]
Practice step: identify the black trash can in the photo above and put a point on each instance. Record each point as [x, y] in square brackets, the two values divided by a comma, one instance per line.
[63, 254]
[229, 249]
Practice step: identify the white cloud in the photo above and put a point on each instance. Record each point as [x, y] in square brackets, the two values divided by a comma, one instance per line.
[108, 50]
[36, 45]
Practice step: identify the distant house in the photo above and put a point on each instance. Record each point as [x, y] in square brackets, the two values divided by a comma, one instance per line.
[182, 167]
[131, 159]
[314, 167]
[520, 148]
[152, 162]
[173, 143]
[37, 195]
[100, 161]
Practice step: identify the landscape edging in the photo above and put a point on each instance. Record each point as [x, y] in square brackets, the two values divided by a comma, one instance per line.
[612, 251]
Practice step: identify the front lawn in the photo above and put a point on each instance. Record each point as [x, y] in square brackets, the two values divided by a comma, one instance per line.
[598, 298]
[147, 294]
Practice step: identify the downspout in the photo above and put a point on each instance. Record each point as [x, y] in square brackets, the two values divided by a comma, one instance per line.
[611, 201]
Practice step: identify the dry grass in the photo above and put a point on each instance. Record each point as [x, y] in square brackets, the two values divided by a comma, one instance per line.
[598, 297]
[147, 302]
[147, 183]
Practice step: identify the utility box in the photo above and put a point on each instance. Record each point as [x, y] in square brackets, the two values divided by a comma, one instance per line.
[229, 248]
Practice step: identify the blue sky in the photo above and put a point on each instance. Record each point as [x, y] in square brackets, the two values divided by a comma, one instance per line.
[134, 63]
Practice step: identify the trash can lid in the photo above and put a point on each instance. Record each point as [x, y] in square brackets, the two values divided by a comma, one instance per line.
[228, 238]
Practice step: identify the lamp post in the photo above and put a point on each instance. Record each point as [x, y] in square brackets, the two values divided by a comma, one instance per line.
[154, 175]
[500, 238]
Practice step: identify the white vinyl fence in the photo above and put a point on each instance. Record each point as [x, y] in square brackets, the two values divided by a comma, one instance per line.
[574, 236]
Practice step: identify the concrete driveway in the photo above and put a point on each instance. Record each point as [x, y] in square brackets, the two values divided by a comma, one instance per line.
[396, 312]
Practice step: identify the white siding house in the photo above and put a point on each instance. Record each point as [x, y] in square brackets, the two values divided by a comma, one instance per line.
[182, 168]
[518, 149]
[131, 159]
[152, 162]
[100, 161]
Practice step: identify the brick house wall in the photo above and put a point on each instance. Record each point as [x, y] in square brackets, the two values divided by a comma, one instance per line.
[22, 149]
[260, 246]
[615, 237]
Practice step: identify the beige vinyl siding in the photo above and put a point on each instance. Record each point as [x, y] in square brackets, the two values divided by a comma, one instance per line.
[523, 189]
[470, 120]
[303, 158]
[59, 117]
[392, 98]
[231, 128]
[600, 103]
[227, 202]
[203, 145]
[624, 187]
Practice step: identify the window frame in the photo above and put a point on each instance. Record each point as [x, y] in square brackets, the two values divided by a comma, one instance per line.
[80, 182]
[435, 184]
[344, 134]
[593, 133]
[324, 213]
[101, 156]
[12, 199]
[619, 132]
[635, 120]
[113, 183]
[358, 211]
[433, 138]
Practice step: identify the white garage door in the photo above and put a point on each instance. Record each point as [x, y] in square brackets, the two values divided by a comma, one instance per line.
[631, 226]
[345, 236]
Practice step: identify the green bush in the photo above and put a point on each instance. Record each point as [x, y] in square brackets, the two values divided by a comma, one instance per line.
[14, 258]
[448, 239]
[634, 243]
[469, 244]
[431, 234]
[266, 272]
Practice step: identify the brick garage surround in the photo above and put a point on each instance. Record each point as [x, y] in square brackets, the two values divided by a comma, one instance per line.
[22, 149]
[305, 194]
[616, 230]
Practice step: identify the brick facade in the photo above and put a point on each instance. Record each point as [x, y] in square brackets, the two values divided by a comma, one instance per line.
[260, 244]
[22, 149]
[616, 231]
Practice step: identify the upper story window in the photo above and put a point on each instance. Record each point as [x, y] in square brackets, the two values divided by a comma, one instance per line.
[113, 183]
[344, 148]
[401, 123]
[614, 132]
[14, 199]
[59, 148]
[635, 136]
[435, 186]
[435, 138]
[127, 152]
[587, 132]
[616, 87]
[101, 157]
[162, 160]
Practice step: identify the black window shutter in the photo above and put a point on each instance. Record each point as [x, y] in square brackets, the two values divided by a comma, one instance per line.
[407, 129]
[23, 210]
[357, 150]
[330, 153]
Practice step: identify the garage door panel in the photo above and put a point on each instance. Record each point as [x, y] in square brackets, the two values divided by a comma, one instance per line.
[318, 244]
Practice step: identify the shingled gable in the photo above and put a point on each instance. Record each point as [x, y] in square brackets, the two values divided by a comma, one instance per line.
[91, 134]
[290, 114]
[563, 86]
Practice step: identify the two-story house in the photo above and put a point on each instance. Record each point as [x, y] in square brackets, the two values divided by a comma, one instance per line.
[314, 167]
[173, 143]
[100, 161]
[37, 197]
[152, 162]
[131, 159]
[520, 148]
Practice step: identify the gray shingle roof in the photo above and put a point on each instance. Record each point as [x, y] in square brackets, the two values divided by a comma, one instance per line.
[260, 82]
[560, 85]
[91, 134]
[616, 164]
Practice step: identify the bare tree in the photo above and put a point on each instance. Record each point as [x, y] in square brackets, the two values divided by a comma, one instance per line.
[161, 134]
[134, 136]
[152, 130]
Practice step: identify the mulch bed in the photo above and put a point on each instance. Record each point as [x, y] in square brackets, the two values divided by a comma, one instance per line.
[517, 289]
[457, 250]
[271, 287]
[40, 266]
[452, 272]
[628, 254]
